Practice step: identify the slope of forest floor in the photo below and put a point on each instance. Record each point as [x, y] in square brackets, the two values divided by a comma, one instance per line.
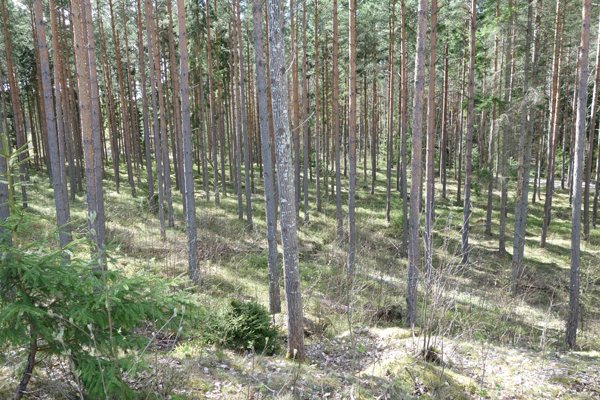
[484, 343]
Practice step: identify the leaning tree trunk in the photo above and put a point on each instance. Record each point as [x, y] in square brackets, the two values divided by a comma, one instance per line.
[571, 335]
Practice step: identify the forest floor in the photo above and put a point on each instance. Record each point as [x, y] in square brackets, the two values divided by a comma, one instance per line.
[484, 343]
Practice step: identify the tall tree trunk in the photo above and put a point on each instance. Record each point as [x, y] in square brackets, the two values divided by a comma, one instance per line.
[285, 173]
[61, 199]
[390, 110]
[163, 125]
[506, 135]
[123, 99]
[493, 128]
[557, 57]
[352, 136]
[157, 151]
[590, 155]
[188, 173]
[5, 147]
[374, 129]
[177, 134]
[430, 149]
[317, 127]
[212, 121]
[403, 177]
[305, 111]
[86, 109]
[571, 335]
[147, 149]
[460, 122]
[469, 139]
[524, 162]
[263, 114]
[135, 131]
[295, 100]
[444, 133]
[336, 124]
[415, 190]
[16, 106]
[247, 155]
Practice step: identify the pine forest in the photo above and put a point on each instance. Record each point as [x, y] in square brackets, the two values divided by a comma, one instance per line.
[299, 199]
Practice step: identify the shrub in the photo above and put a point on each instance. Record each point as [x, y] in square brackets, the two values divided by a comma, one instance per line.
[250, 327]
[239, 325]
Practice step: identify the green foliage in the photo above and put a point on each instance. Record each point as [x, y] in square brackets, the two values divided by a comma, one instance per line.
[239, 325]
[74, 310]
[250, 328]
[62, 304]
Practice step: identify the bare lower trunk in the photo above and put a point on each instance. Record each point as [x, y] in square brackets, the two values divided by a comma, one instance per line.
[285, 177]
[352, 137]
[571, 334]
[415, 190]
[469, 138]
[430, 149]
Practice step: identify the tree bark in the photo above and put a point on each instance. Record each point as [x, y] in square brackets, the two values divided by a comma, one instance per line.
[270, 206]
[553, 124]
[430, 148]
[305, 116]
[16, 106]
[590, 154]
[524, 165]
[352, 136]
[124, 112]
[415, 190]
[317, 127]
[157, 151]
[147, 149]
[285, 177]
[61, 199]
[336, 124]
[571, 334]
[188, 173]
[403, 177]
[390, 110]
[469, 138]
[212, 120]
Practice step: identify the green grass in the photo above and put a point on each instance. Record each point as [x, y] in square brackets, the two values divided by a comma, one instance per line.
[466, 304]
